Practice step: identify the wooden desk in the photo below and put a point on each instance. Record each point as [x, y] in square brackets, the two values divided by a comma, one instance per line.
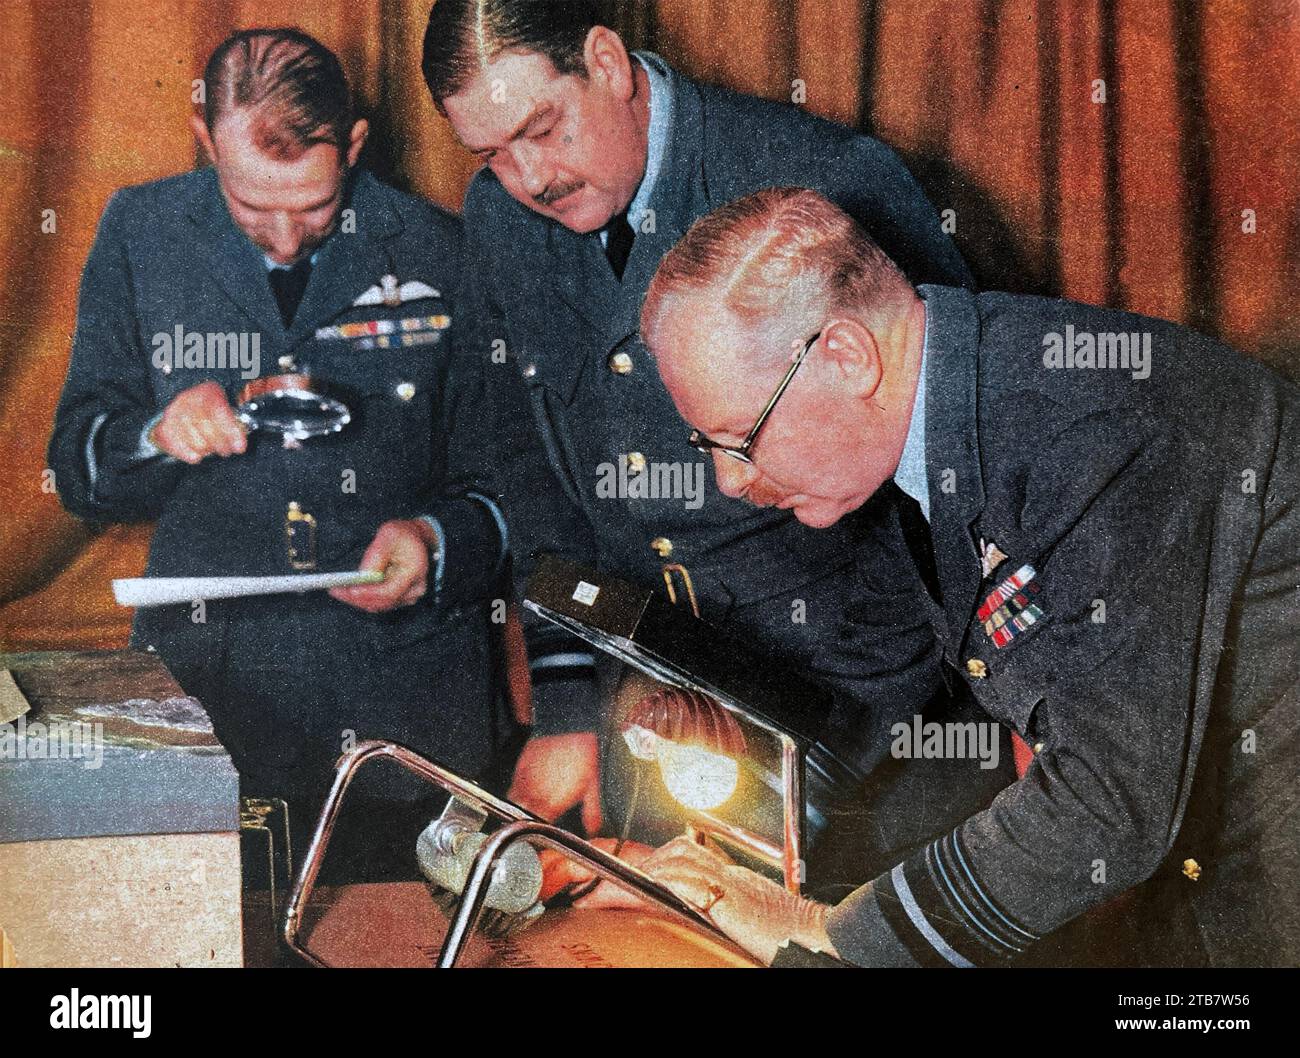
[399, 924]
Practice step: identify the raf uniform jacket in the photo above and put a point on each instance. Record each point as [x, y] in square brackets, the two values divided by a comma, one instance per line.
[284, 676]
[1139, 628]
[591, 396]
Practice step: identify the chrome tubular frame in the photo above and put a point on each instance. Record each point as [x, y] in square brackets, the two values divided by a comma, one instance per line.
[520, 825]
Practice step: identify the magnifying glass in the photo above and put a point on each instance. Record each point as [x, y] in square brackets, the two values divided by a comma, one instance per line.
[291, 406]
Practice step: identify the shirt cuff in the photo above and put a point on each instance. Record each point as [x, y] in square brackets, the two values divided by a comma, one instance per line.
[147, 449]
[439, 554]
[494, 509]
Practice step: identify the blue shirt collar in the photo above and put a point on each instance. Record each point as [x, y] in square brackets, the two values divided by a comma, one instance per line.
[271, 266]
[661, 120]
[911, 476]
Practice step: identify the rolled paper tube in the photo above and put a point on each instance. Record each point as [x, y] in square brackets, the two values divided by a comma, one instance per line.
[164, 591]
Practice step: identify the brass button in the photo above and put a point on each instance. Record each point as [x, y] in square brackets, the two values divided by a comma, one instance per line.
[1038, 747]
[530, 370]
[976, 668]
[620, 364]
[405, 390]
[661, 546]
[300, 535]
[1192, 869]
[635, 462]
[286, 363]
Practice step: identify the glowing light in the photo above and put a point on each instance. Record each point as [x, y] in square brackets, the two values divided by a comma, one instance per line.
[695, 776]
[641, 741]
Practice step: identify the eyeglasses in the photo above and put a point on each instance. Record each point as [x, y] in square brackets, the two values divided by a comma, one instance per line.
[741, 451]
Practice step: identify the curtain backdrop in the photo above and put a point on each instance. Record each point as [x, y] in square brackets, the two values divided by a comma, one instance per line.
[1136, 153]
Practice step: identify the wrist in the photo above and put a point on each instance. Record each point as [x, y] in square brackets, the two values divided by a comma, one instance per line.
[812, 933]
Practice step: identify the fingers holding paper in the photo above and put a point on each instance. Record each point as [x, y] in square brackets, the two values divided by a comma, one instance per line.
[400, 549]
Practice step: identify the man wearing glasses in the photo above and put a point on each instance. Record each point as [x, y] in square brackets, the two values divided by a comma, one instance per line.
[740, 452]
[595, 162]
[1111, 532]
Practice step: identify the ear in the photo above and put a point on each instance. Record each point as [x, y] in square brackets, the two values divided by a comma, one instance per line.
[360, 131]
[851, 350]
[608, 62]
[204, 138]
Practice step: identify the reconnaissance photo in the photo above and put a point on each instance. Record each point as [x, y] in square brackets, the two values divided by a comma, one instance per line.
[654, 485]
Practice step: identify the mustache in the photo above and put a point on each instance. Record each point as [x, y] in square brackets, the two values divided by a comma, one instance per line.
[556, 192]
[762, 496]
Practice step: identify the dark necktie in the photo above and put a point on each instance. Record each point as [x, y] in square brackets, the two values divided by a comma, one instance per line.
[916, 534]
[618, 243]
[288, 284]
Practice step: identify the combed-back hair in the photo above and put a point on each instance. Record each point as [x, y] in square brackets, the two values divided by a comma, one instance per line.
[782, 251]
[293, 86]
[463, 36]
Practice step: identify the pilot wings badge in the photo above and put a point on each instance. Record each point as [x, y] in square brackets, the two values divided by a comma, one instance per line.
[389, 292]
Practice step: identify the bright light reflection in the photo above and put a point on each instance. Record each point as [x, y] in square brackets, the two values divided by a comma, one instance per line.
[697, 777]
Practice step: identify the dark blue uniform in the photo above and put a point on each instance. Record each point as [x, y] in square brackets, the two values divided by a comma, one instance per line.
[1138, 625]
[289, 679]
[591, 397]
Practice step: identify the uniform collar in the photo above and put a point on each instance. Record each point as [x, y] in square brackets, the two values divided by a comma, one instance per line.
[952, 453]
[271, 265]
[911, 476]
[232, 261]
[662, 106]
[581, 276]
[349, 264]
[343, 267]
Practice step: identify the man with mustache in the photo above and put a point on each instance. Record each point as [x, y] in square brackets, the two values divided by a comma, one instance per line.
[594, 162]
[1110, 554]
[335, 275]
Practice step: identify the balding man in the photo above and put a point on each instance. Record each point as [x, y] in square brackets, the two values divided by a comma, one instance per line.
[285, 244]
[1105, 512]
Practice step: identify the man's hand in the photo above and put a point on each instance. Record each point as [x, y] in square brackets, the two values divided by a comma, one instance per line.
[556, 772]
[559, 871]
[199, 422]
[755, 912]
[401, 549]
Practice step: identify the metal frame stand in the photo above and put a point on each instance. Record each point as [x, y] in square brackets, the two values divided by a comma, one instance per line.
[253, 815]
[519, 826]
